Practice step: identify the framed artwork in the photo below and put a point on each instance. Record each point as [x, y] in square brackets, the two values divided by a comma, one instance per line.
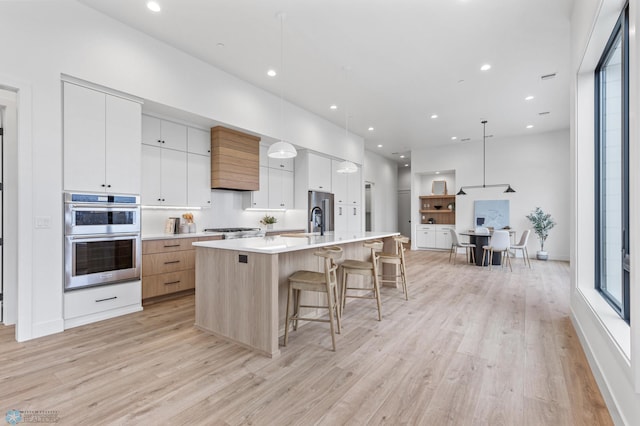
[439, 187]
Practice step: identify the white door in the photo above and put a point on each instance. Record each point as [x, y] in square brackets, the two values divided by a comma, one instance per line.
[173, 180]
[404, 213]
[198, 180]
[123, 149]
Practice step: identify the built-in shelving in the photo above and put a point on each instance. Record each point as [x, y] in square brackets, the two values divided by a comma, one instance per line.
[446, 214]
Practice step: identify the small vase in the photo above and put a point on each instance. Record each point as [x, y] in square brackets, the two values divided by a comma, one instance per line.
[269, 225]
[542, 255]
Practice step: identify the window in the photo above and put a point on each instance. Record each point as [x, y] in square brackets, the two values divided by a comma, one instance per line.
[612, 170]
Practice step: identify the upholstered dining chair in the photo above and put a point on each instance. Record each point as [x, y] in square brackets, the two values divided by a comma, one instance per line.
[522, 245]
[500, 242]
[455, 244]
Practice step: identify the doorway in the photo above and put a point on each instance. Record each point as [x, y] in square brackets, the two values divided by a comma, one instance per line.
[8, 177]
[368, 209]
[404, 212]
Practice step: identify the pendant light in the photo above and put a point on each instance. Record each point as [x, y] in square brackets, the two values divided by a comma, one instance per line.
[346, 166]
[282, 149]
[484, 166]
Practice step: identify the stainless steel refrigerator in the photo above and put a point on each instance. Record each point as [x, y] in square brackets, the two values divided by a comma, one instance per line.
[320, 211]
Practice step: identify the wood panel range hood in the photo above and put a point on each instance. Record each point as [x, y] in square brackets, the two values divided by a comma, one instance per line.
[235, 160]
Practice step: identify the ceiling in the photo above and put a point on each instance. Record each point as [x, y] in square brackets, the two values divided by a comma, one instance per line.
[391, 64]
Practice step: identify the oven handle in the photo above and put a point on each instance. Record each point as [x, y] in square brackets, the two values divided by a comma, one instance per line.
[107, 207]
[103, 237]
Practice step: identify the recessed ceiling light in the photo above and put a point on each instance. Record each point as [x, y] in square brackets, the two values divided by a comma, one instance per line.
[272, 73]
[153, 6]
[371, 129]
[530, 126]
[379, 146]
[402, 156]
[406, 165]
[453, 138]
[437, 173]
[333, 107]
[220, 44]
[528, 98]
[434, 116]
[485, 67]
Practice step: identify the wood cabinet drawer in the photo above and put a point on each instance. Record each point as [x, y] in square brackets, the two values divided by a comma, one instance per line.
[168, 245]
[160, 263]
[89, 301]
[172, 282]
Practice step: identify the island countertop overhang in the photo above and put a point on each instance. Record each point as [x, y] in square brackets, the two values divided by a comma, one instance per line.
[284, 244]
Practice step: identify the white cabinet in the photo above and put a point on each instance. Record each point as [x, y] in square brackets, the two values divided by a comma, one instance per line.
[198, 180]
[319, 172]
[98, 303]
[164, 176]
[176, 164]
[312, 173]
[354, 218]
[281, 163]
[426, 236]
[164, 133]
[280, 189]
[276, 184]
[101, 141]
[433, 236]
[199, 142]
[347, 187]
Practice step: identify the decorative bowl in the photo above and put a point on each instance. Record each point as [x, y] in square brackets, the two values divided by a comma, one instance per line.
[437, 207]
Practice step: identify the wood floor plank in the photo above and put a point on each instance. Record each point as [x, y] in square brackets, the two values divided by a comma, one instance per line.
[469, 347]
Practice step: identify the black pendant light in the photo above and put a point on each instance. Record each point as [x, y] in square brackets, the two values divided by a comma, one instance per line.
[484, 166]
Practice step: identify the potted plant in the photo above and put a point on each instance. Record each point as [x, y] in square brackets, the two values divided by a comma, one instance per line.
[268, 221]
[542, 223]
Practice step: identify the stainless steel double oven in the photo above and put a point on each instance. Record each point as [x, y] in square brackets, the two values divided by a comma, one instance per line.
[102, 239]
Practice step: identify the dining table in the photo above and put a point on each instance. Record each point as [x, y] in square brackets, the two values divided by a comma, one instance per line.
[481, 239]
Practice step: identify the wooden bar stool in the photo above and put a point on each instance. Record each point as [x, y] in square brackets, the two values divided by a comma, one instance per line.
[396, 259]
[364, 268]
[320, 282]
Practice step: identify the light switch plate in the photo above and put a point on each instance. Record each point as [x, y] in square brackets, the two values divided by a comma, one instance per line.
[43, 222]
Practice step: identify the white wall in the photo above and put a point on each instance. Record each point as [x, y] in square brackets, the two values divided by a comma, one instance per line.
[536, 166]
[404, 178]
[383, 173]
[611, 346]
[46, 39]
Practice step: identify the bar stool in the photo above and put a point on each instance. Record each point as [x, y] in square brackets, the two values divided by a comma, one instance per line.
[320, 282]
[364, 268]
[396, 259]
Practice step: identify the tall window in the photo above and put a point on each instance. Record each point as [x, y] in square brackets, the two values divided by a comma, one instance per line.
[612, 170]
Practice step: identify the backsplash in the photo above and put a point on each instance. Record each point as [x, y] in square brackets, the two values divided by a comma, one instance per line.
[226, 211]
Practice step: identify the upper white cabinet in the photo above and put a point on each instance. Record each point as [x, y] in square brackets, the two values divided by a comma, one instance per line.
[101, 141]
[276, 184]
[164, 133]
[176, 164]
[319, 173]
[199, 142]
[198, 180]
[347, 187]
[164, 176]
[281, 163]
[312, 173]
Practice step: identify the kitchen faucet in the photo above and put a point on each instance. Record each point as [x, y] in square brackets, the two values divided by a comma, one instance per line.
[314, 215]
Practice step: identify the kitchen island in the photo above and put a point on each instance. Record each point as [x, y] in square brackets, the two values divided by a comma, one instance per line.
[241, 285]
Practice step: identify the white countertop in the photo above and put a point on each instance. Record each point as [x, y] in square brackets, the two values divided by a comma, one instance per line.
[280, 244]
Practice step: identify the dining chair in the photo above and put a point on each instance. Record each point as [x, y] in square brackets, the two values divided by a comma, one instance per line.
[500, 242]
[455, 244]
[522, 245]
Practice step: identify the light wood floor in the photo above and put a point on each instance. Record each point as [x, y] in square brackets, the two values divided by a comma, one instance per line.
[469, 347]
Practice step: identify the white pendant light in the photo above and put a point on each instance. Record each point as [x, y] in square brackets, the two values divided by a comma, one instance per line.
[347, 167]
[282, 149]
